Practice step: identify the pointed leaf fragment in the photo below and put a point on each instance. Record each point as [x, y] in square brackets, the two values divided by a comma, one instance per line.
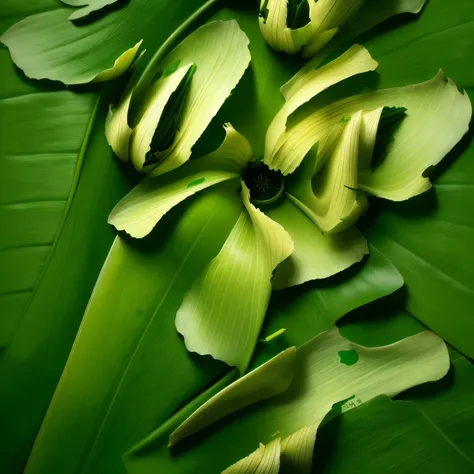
[332, 201]
[223, 312]
[47, 45]
[140, 210]
[268, 380]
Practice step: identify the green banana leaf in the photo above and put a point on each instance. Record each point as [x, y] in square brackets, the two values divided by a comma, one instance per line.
[59, 181]
[129, 371]
[54, 196]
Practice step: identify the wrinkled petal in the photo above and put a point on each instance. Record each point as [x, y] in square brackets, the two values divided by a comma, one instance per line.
[223, 312]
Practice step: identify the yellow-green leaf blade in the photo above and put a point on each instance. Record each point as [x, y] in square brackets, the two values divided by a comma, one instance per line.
[331, 200]
[266, 381]
[316, 255]
[139, 211]
[223, 312]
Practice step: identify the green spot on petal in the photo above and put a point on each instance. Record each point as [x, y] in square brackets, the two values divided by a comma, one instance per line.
[349, 357]
[195, 182]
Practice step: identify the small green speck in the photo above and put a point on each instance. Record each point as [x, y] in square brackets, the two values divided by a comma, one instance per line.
[345, 119]
[195, 182]
[349, 357]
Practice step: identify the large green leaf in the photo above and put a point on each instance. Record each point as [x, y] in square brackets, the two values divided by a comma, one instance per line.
[115, 426]
[53, 149]
[54, 196]
[102, 425]
[129, 368]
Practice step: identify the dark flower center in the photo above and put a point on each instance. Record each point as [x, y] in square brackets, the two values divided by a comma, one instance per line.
[265, 185]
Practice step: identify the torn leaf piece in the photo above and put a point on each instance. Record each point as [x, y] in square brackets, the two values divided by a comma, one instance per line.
[268, 380]
[265, 460]
[220, 52]
[157, 99]
[121, 65]
[327, 17]
[284, 24]
[331, 200]
[385, 370]
[437, 117]
[356, 60]
[223, 312]
[141, 209]
[89, 6]
[316, 255]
